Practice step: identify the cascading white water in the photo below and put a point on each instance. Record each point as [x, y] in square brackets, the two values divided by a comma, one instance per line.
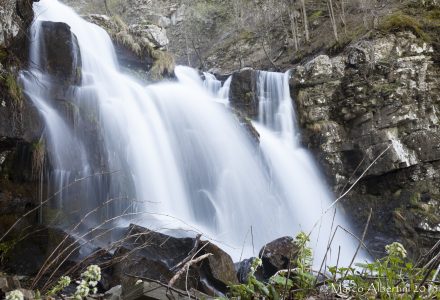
[183, 161]
[215, 87]
[293, 170]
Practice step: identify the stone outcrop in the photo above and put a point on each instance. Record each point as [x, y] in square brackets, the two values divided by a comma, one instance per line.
[140, 48]
[242, 95]
[380, 96]
[62, 57]
[20, 124]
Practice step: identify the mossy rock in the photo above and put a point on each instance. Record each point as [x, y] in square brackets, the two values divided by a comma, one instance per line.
[3, 54]
[163, 65]
[13, 87]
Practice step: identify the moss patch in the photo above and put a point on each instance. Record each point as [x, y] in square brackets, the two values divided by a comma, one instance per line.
[6, 247]
[14, 88]
[3, 54]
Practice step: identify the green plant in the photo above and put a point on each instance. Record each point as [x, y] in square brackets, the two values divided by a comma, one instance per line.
[62, 283]
[88, 283]
[297, 282]
[303, 276]
[391, 277]
[15, 295]
[253, 288]
[6, 247]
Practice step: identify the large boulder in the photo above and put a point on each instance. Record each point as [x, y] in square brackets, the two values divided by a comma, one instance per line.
[139, 48]
[153, 255]
[277, 255]
[20, 123]
[27, 249]
[155, 34]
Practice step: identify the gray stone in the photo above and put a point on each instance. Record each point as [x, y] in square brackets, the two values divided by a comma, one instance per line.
[277, 255]
[156, 291]
[115, 293]
[319, 66]
[155, 34]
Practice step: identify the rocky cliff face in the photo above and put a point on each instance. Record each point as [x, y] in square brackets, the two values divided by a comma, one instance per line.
[372, 111]
[20, 125]
[380, 96]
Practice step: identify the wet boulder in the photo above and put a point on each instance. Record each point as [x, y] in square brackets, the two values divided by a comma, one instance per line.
[62, 56]
[217, 271]
[242, 95]
[148, 254]
[277, 254]
[243, 269]
[28, 249]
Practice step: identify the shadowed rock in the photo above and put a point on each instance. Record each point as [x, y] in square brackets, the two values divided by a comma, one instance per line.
[153, 255]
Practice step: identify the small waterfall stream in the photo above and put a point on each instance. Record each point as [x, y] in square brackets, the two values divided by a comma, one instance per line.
[181, 160]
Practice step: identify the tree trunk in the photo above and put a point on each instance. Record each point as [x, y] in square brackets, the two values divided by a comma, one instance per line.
[306, 22]
[333, 19]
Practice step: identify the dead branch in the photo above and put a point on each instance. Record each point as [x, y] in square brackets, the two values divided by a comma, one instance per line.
[190, 254]
[186, 267]
[360, 243]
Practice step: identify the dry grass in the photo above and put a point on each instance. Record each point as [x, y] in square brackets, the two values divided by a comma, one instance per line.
[401, 22]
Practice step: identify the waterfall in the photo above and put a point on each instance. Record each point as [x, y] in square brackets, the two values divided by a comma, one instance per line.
[294, 172]
[170, 157]
[215, 87]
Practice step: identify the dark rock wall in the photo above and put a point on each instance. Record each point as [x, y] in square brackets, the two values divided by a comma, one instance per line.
[20, 124]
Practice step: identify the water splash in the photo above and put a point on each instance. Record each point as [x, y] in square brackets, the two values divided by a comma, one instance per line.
[216, 89]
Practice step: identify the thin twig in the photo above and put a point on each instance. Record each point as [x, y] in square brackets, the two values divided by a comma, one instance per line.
[158, 282]
[360, 243]
[187, 270]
